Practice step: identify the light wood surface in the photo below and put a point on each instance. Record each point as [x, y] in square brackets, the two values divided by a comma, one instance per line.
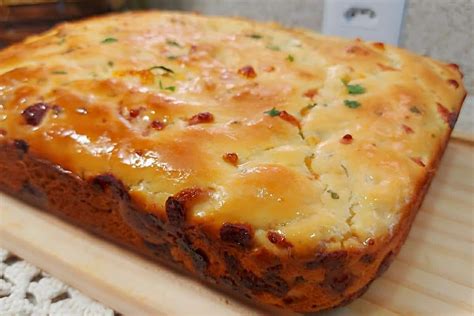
[433, 274]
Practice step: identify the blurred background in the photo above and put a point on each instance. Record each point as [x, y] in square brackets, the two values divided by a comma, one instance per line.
[439, 28]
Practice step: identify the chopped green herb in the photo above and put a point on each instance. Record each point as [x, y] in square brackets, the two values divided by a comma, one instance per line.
[301, 134]
[273, 112]
[414, 109]
[351, 104]
[61, 41]
[169, 88]
[274, 47]
[59, 72]
[172, 43]
[255, 36]
[355, 89]
[334, 195]
[165, 69]
[305, 110]
[110, 63]
[109, 40]
[290, 58]
[345, 170]
[172, 57]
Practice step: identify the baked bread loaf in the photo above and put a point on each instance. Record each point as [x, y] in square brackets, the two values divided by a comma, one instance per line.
[277, 162]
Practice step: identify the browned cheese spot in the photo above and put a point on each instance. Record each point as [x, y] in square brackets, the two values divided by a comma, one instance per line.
[201, 118]
[407, 129]
[247, 72]
[134, 113]
[176, 205]
[311, 93]
[332, 260]
[346, 139]
[278, 239]
[158, 125]
[269, 69]
[231, 158]
[239, 234]
[379, 45]
[34, 114]
[418, 161]
[357, 50]
[447, 116]
[453, 83]
[456, 68]
[386, 67]
[175, 211]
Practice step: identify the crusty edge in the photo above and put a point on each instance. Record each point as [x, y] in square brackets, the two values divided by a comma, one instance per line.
[103, 205]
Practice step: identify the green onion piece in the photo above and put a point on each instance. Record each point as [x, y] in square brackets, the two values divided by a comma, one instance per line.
[414, 109]
[172, 43]
[351, 104]
[169, 88]
[334, 195]
[165, 69]
[273, 112]
[355, 89]
[109, 40]
[273, 47]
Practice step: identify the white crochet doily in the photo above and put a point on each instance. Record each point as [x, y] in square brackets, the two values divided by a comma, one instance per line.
[26, 290]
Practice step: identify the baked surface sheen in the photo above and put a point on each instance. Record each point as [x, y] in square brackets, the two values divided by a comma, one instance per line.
[172, 103]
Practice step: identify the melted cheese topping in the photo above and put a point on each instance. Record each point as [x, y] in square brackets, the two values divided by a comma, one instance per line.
[106, 80]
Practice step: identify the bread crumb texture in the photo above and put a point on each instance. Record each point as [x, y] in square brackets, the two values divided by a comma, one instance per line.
[304, 139]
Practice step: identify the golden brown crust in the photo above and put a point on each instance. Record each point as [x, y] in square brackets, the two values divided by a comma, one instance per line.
[102, 205]
[222, 167]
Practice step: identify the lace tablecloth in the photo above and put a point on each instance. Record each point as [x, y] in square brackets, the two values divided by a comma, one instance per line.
[26, 290]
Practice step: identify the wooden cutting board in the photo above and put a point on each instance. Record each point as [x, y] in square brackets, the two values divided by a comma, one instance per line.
[433, 274]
